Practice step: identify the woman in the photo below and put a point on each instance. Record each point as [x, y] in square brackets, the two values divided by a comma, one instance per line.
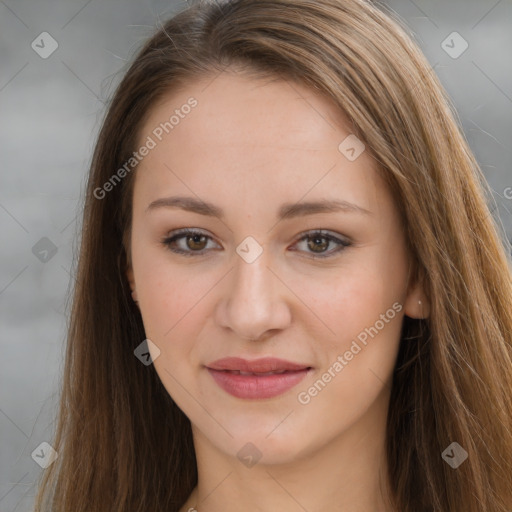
[291, 294]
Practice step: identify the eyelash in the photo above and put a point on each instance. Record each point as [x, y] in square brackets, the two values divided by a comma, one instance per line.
[183, 233]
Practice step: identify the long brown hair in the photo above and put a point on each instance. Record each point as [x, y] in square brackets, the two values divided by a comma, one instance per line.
[123, 444]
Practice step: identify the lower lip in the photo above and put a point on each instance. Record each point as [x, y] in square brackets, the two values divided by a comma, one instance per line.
[254, 386]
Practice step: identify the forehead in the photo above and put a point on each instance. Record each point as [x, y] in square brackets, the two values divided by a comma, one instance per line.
[261, 138]
[261, 109]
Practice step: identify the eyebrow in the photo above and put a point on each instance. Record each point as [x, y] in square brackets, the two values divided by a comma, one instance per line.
[286, 211]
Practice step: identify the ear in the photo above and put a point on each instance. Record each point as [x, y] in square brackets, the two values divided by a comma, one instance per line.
[417, 304]
[131, 281]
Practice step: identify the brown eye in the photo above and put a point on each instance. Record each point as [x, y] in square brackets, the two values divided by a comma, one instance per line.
[316, 245]
[187, 242]
[318, 242]
[194, 242]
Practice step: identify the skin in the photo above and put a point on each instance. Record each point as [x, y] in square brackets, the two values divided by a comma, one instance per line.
[249, 146]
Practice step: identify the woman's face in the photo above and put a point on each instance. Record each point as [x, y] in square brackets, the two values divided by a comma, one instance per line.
[257, 280]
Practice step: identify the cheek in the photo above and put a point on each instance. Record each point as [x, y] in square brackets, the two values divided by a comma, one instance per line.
[173, 315]
[357, 362]
[168, 296]
[361, 305]
[348, 299]
[365, 310]
[172, 308]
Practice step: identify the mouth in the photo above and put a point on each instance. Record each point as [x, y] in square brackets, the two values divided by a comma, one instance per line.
[257, 374]
[257, 379]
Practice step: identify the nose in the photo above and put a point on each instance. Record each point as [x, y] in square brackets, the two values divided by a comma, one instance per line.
[254, 302]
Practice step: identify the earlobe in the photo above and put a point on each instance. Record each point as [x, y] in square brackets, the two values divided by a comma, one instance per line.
[417, 305]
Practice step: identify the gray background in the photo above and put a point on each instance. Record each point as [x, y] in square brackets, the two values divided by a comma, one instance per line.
[50, 115]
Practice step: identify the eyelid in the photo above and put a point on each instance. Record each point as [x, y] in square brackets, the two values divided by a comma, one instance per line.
[324, 232]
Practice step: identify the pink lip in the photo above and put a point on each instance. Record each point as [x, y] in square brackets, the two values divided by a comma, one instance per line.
[226, 373]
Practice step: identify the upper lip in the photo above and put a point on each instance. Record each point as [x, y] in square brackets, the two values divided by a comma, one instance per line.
[263, 365]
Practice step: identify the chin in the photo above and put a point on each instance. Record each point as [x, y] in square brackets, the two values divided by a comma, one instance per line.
[283, 447]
